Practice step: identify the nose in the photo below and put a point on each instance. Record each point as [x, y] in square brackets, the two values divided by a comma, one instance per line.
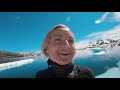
[66, 43]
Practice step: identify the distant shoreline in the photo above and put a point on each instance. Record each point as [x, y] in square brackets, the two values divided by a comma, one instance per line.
[5, 55]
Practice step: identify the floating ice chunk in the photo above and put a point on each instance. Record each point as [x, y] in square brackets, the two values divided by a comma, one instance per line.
[9, 65]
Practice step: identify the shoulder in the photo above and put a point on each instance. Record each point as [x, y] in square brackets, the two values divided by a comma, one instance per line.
[42, 73]
[86, 72]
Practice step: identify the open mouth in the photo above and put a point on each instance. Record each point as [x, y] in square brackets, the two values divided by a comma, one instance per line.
[65, 54]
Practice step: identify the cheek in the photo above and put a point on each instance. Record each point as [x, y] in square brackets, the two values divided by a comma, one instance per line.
[52, 50]
[73, 50]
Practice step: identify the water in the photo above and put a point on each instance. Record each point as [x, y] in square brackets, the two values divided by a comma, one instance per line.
[24, 70]
[97, 64]
[28, 67]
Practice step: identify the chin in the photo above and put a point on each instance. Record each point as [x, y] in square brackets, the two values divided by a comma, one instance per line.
[65, 61]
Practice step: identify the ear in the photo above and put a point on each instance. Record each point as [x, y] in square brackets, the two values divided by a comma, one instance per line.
[46, 51]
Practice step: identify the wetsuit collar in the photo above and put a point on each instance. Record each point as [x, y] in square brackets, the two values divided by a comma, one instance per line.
[60, 70]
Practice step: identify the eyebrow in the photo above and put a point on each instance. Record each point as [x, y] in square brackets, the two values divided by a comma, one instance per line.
[57, 35]
[61, 36]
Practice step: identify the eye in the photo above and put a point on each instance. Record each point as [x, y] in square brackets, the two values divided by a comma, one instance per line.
[57, 39]
[71, 41]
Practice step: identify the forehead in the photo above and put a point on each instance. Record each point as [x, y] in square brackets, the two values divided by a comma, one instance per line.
[62, 32]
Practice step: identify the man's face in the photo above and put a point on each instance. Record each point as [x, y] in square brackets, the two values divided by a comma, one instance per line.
[61, 48]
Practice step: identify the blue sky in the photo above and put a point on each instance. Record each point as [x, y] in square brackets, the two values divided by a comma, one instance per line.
[25, 31]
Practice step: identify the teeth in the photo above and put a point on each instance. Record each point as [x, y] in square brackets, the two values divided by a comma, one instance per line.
[64, 53]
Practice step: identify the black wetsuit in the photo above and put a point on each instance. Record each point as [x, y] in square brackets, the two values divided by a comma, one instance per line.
[64, 71]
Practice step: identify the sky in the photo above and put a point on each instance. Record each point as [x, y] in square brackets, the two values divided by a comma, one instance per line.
[25, 31]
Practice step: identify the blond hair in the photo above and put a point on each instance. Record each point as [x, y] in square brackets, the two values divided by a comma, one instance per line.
[48, 36]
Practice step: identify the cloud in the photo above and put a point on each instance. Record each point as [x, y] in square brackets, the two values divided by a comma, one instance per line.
[68, 19]
[114, 33]
[96, 34]
[102, 18]
[109, 17]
